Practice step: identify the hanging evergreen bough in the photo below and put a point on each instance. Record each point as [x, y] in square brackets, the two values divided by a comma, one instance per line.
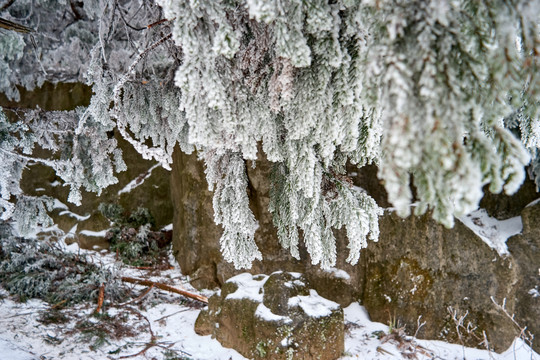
[420, 88]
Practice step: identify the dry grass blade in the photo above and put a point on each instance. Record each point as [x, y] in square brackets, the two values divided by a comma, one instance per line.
[58, 304]
[383, 351]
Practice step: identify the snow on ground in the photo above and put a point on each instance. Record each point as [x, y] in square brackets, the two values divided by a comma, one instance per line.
[23, 338]
[171, 321]
[360, 343]
[492, 231]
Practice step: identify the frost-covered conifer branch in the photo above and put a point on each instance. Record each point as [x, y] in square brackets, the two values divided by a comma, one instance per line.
[440, 64]
[157, 153]
[226, 176]
[420, 88]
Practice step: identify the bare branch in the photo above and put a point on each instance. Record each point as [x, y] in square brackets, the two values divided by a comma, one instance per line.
[10, 25]
[165, 287]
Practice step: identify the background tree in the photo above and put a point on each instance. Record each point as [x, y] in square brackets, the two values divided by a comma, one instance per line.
[430, 91]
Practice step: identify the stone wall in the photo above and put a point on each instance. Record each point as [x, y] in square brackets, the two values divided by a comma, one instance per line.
[196, 236]
[152, 193]
[418, 267]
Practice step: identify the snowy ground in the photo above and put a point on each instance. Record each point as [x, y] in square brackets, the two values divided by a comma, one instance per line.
[164, 327]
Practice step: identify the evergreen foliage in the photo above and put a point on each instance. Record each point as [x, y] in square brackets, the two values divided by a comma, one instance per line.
[428, 90]
[132, 238]
[30, 268]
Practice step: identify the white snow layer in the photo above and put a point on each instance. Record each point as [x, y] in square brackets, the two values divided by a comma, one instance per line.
[338, 273]
[11, 351]
[167, 227]
[101, 233]
[534, 202]
[314, 305]
[75, 216]
[23, 338]
[361, 343]
[492, 231]
[248, 287]
[139, 180]
[266, 314]
[59, 205]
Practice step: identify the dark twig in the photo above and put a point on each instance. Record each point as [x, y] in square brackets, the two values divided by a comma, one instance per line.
[152, 343]
[120, 10]
[7, 4]
[165, 287]
[10, 25]
[159, 22]
[174, 313]
[138, 297]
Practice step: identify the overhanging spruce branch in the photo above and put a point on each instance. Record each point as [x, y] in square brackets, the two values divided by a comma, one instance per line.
[131, 70]
[146, 151]
[50, 163]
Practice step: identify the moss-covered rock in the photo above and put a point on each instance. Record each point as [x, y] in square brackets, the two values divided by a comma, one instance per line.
[418, 267]
[274, 317]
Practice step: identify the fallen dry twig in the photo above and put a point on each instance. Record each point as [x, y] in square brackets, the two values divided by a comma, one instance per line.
[165, 287]
[101, 297]
[59, 304]
[138, 297]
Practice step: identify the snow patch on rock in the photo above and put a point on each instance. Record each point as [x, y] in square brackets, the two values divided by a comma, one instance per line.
[266, 314]
[249, 287]
[314, 305]
[338, 273]
[492, 231]
[139, 180]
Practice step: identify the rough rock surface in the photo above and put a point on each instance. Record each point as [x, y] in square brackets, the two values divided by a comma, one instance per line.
[418, 267]
[274, 317]
[196, 236]
[152, 192]
[525, 249]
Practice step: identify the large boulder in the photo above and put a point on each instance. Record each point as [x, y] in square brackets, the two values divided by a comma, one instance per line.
[421, 269]
[418, 267]
[525, 250]
[196, 236]
[274, 317]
